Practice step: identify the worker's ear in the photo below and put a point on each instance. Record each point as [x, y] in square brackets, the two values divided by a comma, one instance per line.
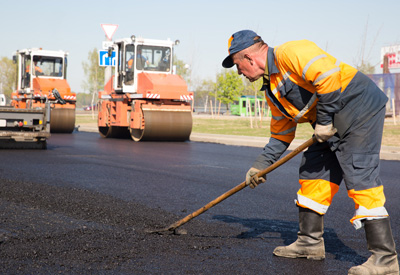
[249, 58]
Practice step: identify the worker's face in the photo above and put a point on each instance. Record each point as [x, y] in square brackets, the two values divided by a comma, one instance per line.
[246, 66]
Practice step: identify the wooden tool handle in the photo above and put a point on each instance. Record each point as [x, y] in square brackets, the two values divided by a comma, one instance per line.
[239, 187]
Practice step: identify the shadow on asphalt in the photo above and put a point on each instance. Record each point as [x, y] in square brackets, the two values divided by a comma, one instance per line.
[288, 233]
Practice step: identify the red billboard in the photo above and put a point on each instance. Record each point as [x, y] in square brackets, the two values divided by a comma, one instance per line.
[393, 54]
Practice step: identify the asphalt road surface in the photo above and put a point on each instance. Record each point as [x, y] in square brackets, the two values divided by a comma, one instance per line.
[83, 207]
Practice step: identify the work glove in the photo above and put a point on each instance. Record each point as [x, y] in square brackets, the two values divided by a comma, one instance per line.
[324, 132]
[252, 179]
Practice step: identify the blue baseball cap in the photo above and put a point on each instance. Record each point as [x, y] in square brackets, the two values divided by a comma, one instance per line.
[239, 41]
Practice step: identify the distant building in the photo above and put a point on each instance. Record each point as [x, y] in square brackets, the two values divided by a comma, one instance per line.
[244, 105]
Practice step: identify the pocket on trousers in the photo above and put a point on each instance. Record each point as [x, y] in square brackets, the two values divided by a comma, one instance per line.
[365, 160]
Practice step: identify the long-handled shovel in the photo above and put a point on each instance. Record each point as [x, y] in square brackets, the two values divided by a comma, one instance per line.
[239, 187]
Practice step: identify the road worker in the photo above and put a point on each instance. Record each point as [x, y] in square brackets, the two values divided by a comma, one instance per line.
[303, 83]
[142, 60]
[38, 71]
[130, 63]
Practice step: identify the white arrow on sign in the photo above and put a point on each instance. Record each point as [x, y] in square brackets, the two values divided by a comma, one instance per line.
[109, 29]
[105, 60]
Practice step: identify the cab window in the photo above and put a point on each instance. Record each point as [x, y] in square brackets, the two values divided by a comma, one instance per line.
[153, 58]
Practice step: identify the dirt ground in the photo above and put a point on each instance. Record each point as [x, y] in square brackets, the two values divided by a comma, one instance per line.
[50, 230]
[79, 208]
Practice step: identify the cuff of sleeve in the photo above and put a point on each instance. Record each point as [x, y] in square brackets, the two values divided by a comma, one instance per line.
[325, 120]
[261, 165]
[271, 153]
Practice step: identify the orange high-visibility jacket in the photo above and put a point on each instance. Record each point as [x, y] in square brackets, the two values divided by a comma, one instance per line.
[305, 86]
[303, 83]
[37, 69]
[130, 63]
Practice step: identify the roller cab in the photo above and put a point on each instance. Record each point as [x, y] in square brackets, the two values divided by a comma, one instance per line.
[40, 73]
[143, 99]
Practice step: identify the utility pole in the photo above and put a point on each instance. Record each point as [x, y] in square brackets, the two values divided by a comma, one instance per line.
[388, 92]
[386, 64]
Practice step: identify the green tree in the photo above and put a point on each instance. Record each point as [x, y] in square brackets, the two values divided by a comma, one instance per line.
[253, 88]
[366, 68]
[8, 75]
[362, 59]
[201, 93]
[229, 87]
[182, 69]
[94, 74]
[83, 99]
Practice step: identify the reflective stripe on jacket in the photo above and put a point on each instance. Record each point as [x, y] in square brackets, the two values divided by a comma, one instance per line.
[302, 83]
[305, 86]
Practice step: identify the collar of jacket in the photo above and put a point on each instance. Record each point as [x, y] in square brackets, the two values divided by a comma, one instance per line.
[270, 68]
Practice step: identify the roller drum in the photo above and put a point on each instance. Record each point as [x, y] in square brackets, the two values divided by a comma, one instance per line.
[62, 120]
[114, 132]
[164, 125]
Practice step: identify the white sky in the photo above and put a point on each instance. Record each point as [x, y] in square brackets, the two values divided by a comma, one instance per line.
[202, 26]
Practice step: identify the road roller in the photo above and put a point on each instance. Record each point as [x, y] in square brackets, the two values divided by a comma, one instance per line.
[39, 73]
[26, 128]
[143, 98]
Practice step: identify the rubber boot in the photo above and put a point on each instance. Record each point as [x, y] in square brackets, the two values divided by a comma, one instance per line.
[381, 244]
[309, 243]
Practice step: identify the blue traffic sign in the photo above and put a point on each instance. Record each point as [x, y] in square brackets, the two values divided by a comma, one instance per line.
[105, 60]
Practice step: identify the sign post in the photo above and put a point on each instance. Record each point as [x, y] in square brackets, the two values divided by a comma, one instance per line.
[109, 30]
